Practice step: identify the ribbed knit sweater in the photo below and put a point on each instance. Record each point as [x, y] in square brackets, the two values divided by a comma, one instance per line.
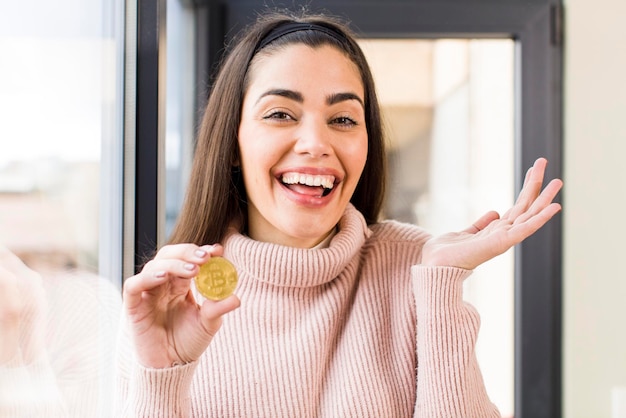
[357, 329]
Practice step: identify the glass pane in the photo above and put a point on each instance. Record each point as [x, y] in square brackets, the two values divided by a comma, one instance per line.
[449, 118]
[60, 204]
[180, 112]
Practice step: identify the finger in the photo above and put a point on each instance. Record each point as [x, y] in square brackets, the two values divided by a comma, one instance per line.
[212, 312]
[543, 200]
[156, 273]
[135, 286]
[482, 222]
[175, 268]
[525, 229]
[190, 252]
[531, 189]
[532, 185]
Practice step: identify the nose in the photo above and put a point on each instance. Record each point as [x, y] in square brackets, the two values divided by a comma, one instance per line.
[313, 138]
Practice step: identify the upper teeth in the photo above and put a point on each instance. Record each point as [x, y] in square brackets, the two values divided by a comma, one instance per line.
[308, 179]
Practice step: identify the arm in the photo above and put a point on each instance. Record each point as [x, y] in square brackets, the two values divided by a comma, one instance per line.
[449, 381]
[145, 391]
[164, 333]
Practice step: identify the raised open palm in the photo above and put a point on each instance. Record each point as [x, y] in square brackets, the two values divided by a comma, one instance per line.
[492, 235]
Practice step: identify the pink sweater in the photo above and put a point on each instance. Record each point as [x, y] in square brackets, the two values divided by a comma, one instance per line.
[358, 329]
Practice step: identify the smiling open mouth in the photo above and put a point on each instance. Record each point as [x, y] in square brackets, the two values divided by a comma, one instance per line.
[309, 184]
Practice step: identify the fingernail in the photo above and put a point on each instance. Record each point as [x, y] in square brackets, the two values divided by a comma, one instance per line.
[200, 253]
[159, 274]
[189, 266]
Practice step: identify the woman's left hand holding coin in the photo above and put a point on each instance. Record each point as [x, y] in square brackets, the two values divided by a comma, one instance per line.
[167, 325]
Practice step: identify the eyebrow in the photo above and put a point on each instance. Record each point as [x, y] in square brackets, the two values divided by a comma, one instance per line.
[289, 94]
[298, 97]
[342, 97]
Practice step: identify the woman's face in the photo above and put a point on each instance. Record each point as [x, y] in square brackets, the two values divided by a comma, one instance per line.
[302, 142]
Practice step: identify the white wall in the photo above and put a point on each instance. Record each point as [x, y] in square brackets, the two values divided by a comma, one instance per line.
[594, 206]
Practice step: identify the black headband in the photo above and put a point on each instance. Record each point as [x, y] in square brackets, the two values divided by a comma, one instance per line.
[291, 27]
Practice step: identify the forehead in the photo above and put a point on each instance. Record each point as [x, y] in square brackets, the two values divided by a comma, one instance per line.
[323, 68]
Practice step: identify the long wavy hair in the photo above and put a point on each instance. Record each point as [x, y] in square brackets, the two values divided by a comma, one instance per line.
[216, 196]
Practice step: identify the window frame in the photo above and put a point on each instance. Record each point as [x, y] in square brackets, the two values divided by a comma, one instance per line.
[144, 208]
[535, 25]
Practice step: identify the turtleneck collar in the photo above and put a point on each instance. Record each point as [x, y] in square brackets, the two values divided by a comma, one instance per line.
[284, 266]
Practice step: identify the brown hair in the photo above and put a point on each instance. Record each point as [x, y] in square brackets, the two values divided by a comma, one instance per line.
[216, 196]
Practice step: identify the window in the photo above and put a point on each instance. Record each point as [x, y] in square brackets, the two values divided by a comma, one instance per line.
[448, 110]
[61, 94]
[180, 132]
[61, 86]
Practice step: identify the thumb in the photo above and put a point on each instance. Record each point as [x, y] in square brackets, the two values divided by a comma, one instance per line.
[482, 222]
[212, 312]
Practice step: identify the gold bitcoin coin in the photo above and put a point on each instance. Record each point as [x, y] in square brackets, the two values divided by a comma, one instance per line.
[217, 278]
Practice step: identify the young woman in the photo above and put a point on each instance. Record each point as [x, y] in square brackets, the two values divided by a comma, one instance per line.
[336, 313]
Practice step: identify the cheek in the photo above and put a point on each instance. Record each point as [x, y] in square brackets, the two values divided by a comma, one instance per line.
[257, 157]
[245, 162]
[356, 155]
[248, 149]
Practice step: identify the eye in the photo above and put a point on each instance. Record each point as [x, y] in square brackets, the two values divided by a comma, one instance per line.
[278, 115]
[344, 122]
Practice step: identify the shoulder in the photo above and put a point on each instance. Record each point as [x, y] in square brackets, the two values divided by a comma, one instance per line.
[389, 240]
[390, 231]
[396, 242]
